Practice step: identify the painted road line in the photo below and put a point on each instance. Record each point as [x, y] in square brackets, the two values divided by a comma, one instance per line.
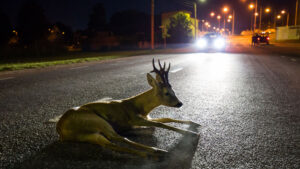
[81, 67]
[294, 60]
[7, 78]
[176, 70]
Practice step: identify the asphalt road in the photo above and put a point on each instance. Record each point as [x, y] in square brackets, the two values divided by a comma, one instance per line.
[248, 106]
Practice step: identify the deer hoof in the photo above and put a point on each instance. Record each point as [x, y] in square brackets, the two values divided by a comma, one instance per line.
[195, 124]
[159, 154]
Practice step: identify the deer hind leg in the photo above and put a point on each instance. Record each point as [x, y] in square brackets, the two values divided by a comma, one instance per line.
[99, 139]
[152, 150]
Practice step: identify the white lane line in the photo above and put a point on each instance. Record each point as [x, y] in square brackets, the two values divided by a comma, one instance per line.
[7, 78]
[294, 60]
[176, 70]
[81, 67]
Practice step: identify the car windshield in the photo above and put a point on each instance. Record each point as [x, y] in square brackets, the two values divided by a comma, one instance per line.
[211, 35]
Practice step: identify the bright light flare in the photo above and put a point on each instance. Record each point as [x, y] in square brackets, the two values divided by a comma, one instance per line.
[283, 12]
[251, 6]
[225, 9]
[218, 17]
[201, 43]
[267, 10]
[278, 16]
[212, 14]
[219, 43]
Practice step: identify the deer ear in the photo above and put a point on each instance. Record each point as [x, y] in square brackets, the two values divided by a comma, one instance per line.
[151, 80]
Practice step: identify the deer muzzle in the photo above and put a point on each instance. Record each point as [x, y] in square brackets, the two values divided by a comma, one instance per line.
[178, 104]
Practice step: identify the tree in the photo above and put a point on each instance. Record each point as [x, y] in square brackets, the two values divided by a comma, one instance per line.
[97, 21]
[32, 23]
[179, 30]
[5, 29]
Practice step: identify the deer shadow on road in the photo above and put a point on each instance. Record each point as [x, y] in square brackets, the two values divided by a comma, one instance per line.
[65, 155]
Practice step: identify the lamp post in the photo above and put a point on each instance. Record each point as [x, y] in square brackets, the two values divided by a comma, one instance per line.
[196, 23]
[225, 10]
[251, 7]
[219, 19]
[255, 12]
[268, 10]
[296, 12]
[152, 24]
[283, 12]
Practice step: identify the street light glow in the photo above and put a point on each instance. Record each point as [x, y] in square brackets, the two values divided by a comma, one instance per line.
[283, 12]
[228, 20]
[225, 9]
[256, 14]
[251, 6]
[278, 16]
[230, 16]
[267, 10]
[206, 23]
[212, 14]
[218, 17]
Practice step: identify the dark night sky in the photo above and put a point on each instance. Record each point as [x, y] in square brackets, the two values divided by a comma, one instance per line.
[75, 13]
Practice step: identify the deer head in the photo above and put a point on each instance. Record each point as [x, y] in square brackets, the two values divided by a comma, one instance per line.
[162, 88]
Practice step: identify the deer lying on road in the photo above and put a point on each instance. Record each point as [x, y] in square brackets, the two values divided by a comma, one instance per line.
[99, 122]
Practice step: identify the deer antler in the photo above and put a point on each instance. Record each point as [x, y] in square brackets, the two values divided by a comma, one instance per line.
[162, 73]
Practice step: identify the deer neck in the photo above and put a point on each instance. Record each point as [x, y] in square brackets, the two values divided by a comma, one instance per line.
[145, 102]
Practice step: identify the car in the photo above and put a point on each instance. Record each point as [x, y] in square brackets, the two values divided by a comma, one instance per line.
[264, 38]
[213, 41]
[260, 38]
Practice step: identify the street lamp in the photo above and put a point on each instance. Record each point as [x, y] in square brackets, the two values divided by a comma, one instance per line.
[278, 16]
[225, 9]
[251, 6]
[219, 19]
[230, 16]
[283, 12]
[212, 14]
[267, 10]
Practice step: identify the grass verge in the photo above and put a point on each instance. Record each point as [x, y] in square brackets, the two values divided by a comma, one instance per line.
[67, 59]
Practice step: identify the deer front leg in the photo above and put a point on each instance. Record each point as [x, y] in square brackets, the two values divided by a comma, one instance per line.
[144, 122]
[169, 120]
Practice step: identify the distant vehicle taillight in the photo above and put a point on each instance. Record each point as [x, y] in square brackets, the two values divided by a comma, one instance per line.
[268, 38]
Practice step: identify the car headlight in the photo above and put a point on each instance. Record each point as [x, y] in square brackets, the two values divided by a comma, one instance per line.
[201, 43]
[219, 43]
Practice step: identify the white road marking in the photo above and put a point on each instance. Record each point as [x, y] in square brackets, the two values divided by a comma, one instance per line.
[176, 70]
[7, 78]
[283, 56]
[81, 67]
[294, 60]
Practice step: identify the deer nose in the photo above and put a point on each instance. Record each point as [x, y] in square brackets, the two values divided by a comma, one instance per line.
[178, 104]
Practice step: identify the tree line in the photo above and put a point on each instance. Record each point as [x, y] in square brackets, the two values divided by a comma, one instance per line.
[34, 33]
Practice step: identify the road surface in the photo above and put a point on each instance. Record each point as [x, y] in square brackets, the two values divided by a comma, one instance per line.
[248, 106]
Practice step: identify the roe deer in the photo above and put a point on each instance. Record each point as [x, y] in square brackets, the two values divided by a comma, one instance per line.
[100, 122]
